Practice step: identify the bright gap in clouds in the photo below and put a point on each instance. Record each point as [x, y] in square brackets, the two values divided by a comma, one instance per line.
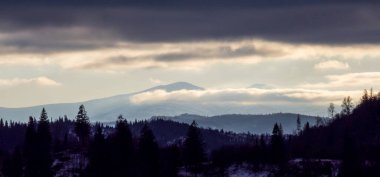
[317, 74]
[41, 81]
[244, 96]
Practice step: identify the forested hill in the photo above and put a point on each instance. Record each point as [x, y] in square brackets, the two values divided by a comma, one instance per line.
[167, 132]
[256, 124]
[353, 136]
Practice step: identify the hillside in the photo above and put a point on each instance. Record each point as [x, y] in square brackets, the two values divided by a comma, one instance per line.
[256, 124]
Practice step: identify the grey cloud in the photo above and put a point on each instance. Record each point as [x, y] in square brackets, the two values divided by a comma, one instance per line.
[225, 52]
[316, 21]
[220, 53]
[178, 56]
[117, 60]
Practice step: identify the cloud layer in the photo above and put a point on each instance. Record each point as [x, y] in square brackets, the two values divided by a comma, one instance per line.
[49, 27]
[245, 96]
[332, 65]
[41, 81]
[348, 81]
[314, 47]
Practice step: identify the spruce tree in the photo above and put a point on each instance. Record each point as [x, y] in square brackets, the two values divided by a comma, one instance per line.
[307, 127]
[1, 123]
[122, 149]
[298, 124]
[97, 166]
[30, 150]
[44, 139]
[82, 126]
[193, 149]
[277, 142]
[148, 153]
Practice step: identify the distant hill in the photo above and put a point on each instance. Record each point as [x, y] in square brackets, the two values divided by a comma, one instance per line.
[169, 132]
[257, 124]
[107, 109]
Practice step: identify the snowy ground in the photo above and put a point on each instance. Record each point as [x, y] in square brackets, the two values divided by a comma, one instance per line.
[244, 171]
[67, 164]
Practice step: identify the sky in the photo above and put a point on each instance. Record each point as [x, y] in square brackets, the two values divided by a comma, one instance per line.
[309, 51]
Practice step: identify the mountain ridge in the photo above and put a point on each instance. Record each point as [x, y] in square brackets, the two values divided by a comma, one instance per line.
[108, 108]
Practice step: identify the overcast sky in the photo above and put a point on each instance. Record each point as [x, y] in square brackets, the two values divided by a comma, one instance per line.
[68, 51]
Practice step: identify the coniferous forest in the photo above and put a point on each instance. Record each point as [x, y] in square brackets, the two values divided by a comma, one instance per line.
[347, 144]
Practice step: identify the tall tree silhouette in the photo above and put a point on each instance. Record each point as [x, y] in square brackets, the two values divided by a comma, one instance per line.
[298, 124]
[44, 146]
[347, 106]
[148, 153]
[97, 155]
[306, 127]
[122, 149]
[1, 123]
[82, 126]
[277, 142]
[365, 96]
[30, 149]
[193, 149]
[331, 110]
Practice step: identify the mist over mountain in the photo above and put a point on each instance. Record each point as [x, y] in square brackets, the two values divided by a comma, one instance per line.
[107, 109]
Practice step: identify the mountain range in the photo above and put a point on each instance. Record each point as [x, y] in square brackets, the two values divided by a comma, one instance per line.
[214, 116]
[245, 123]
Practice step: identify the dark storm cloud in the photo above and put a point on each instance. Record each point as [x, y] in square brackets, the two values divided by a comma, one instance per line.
[225, 52]
[220, 53]
[313, 21]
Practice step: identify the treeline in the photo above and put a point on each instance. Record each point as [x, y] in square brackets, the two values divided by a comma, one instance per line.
[352, 137]
[103, 154]
[347, 145]
[76, 148]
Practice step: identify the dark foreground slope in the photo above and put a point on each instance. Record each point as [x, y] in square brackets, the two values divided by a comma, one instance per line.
[352, 137]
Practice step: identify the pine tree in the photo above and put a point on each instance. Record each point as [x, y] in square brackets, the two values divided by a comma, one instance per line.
[277, 142]
[193, 149]
[148, 153]
[30, 150]
[1, 123]
[82, 126]
[298, 124]
[44, 146]
[97, 155]
[122, 149]
[307, 127]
